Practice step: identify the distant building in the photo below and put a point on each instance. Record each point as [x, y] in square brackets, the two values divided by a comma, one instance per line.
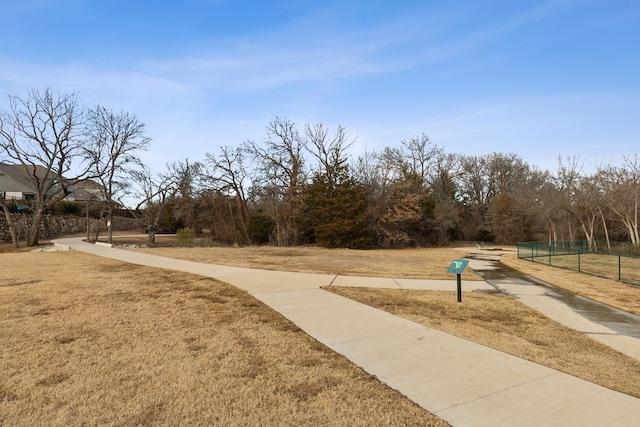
[86, 190]
[16, 184]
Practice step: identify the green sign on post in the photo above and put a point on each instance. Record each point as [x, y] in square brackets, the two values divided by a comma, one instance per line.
[457, 267]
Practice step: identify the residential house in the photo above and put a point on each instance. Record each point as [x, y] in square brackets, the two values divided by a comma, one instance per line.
[86, 190]
[16, 184]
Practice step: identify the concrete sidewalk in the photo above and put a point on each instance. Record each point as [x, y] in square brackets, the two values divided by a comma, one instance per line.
[614, 328]
[462, 382]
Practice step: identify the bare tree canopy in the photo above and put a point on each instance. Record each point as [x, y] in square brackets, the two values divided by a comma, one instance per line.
[227, 175]
[115, 140]
[281, 163]
[154, 190]
[42, 133]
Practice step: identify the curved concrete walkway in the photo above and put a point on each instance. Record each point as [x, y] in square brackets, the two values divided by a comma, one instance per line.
[462, 382]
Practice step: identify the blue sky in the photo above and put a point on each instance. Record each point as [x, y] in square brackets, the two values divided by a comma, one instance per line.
[537, 78]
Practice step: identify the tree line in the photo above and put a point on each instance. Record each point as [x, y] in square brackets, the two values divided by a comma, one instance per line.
[300, 184]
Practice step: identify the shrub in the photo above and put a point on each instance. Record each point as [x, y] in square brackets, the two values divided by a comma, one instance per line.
[185, 237]
[66, 208]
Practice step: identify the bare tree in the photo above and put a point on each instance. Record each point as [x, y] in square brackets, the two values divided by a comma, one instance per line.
[474, 180]
[585, 207]
[115, 141]
[422, 156]
[331, 152]
[228, 175]
[282, 166]
[443, 181]
[621, 186]
[366, 169]
[411, 192]
[566, 181]
[42, 133]
[476, 192]
[597, 185]
[487, 179]
[154, 190]
[529, 198]
[188, 176]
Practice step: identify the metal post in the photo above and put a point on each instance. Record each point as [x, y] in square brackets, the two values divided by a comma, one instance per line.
[459, 287]
[579, 262]
[88, 224]
[619, 268]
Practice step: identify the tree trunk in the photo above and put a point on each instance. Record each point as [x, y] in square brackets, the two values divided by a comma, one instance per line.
[12, 226]
[233, 223]
[110, 225]
[606, 230]
[243, 219]
[152, 237]
[553, 232]
[88, 224]
[34, 230]
[572, 237]
[632, 232]
[98, 225]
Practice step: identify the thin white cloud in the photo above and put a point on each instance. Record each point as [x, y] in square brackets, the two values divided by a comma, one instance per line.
[466, 40]
[264, 68]
[132, 90]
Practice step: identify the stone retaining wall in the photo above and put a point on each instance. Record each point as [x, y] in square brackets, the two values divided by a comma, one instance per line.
[54, 225]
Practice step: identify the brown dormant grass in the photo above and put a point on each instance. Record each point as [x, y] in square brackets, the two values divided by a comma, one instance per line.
[395, 263]
[94, 341]
[91, 341]
[603, 265]
[429, 263]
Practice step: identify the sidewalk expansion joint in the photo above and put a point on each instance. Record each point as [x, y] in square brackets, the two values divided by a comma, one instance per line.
[457, 405]
[376, 336]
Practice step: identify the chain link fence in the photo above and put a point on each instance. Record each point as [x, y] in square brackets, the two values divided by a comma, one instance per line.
[618, 265]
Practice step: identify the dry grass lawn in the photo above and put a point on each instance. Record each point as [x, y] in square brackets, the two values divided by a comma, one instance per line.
[603, 265]
[91, 341]
[404, 263]
[396, 263]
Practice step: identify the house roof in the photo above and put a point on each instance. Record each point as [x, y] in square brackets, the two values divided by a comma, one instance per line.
[16, 177]
[88, 190]
[23, 173]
